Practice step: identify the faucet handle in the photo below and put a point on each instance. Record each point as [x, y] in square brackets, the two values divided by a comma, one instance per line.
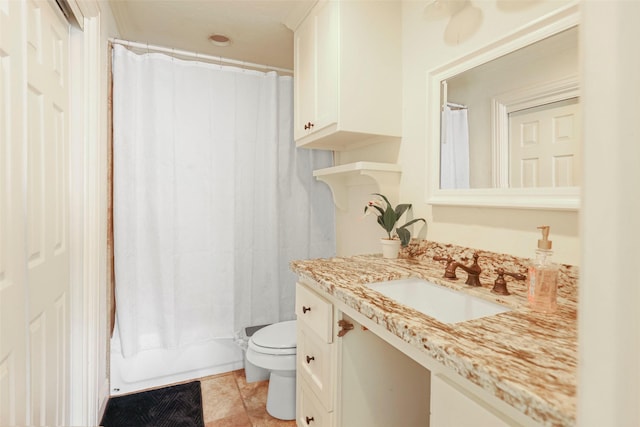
[449, 272]
[443, 258]
[500, 285]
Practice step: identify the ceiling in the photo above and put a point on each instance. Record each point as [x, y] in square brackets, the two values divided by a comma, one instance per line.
[260, 30]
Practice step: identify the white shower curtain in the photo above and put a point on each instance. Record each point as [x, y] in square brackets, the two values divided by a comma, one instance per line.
[211, 200]
[454, 148]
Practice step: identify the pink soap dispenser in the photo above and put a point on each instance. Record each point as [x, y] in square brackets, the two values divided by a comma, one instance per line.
[543, 277]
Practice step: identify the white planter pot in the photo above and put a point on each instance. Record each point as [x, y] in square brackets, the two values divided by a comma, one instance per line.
[390, 248]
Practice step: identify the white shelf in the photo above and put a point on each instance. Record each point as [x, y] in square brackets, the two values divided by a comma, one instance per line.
[385, 175]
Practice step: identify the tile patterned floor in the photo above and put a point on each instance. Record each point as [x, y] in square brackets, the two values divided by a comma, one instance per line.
[229, 401]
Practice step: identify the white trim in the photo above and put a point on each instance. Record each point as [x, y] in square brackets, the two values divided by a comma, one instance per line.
[86, 398]
[560, 198]
[72, 12]
[552, 198]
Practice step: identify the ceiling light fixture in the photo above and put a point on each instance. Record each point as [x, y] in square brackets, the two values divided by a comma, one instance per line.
[220, 40]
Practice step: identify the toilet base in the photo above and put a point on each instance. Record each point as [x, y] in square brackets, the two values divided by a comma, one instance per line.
[253, 373]
[281, 397]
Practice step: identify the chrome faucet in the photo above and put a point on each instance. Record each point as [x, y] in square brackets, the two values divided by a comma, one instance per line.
[473, 271]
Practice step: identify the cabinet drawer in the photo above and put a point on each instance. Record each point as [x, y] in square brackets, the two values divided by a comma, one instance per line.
[316, 365]
[315, 312]
[310, 412]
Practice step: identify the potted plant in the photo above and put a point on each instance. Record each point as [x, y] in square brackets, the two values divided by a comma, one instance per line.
[388, 217]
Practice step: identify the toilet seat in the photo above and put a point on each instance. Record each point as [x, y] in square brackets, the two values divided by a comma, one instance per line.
[276, 339]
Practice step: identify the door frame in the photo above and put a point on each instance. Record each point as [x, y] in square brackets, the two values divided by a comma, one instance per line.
[89, 380]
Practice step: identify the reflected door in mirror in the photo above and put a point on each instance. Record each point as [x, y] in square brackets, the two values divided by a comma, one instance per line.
[544, 145]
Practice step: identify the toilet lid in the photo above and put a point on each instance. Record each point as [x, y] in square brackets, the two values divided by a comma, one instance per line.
[277, 336]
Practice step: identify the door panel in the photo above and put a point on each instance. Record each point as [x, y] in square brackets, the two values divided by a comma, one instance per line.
[47, 198]
[13, 332]
[34, 210]
[544, 145]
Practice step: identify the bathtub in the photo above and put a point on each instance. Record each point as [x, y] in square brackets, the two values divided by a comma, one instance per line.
[156, 368]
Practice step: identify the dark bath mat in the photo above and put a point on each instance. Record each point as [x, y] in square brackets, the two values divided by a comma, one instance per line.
[175, 406]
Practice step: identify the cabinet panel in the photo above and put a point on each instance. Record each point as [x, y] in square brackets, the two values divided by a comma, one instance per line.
[316, 70]
[315, 312]
[326, 96]
[379, 386]
[348, 73]
[316, 366]
[310, 412]
[453, 406]
[305, 76]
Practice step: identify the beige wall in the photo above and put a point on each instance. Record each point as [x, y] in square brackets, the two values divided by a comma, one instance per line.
[511, 231]
[608, 314]
[605, 243]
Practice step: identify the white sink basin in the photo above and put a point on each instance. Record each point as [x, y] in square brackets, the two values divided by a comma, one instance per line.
[439, 302]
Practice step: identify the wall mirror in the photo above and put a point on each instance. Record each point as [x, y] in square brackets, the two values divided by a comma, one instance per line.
[504, 122]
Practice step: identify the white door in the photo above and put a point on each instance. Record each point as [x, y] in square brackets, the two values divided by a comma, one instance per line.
[13, 290]
[35, 215]
[544, 145]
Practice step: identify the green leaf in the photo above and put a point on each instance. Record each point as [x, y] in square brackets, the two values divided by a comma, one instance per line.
[412, 222]
[402, 208]
[404, 235]
[378, 208]
[384, 198]
[389, 219]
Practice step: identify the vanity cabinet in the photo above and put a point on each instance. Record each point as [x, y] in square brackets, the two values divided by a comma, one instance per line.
[352, 371]
[315, 366]
[351, 377]
[347, 66]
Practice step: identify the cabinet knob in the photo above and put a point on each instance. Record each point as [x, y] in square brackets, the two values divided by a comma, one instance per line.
[308, 420]
[310, 358]
[308, 126]
[305, 309]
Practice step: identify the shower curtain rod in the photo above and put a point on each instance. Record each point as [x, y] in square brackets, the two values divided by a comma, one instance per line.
[455, 106]
[445, 98]
[198, 56]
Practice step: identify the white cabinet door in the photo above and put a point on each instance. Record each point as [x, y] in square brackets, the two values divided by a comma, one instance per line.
[316, 364]
[314, 312]
[326, 36]
[347, 65]
[310, 412]
[316, 56]
[305, 76]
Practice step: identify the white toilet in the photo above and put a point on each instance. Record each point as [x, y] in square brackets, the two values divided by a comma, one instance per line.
[274, 348]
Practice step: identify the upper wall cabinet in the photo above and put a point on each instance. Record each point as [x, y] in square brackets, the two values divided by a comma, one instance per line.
[348, 75]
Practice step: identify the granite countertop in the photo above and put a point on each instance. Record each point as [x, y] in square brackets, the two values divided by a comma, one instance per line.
[525, 358]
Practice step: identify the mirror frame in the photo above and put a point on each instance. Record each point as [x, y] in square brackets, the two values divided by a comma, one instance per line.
[558, 198]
